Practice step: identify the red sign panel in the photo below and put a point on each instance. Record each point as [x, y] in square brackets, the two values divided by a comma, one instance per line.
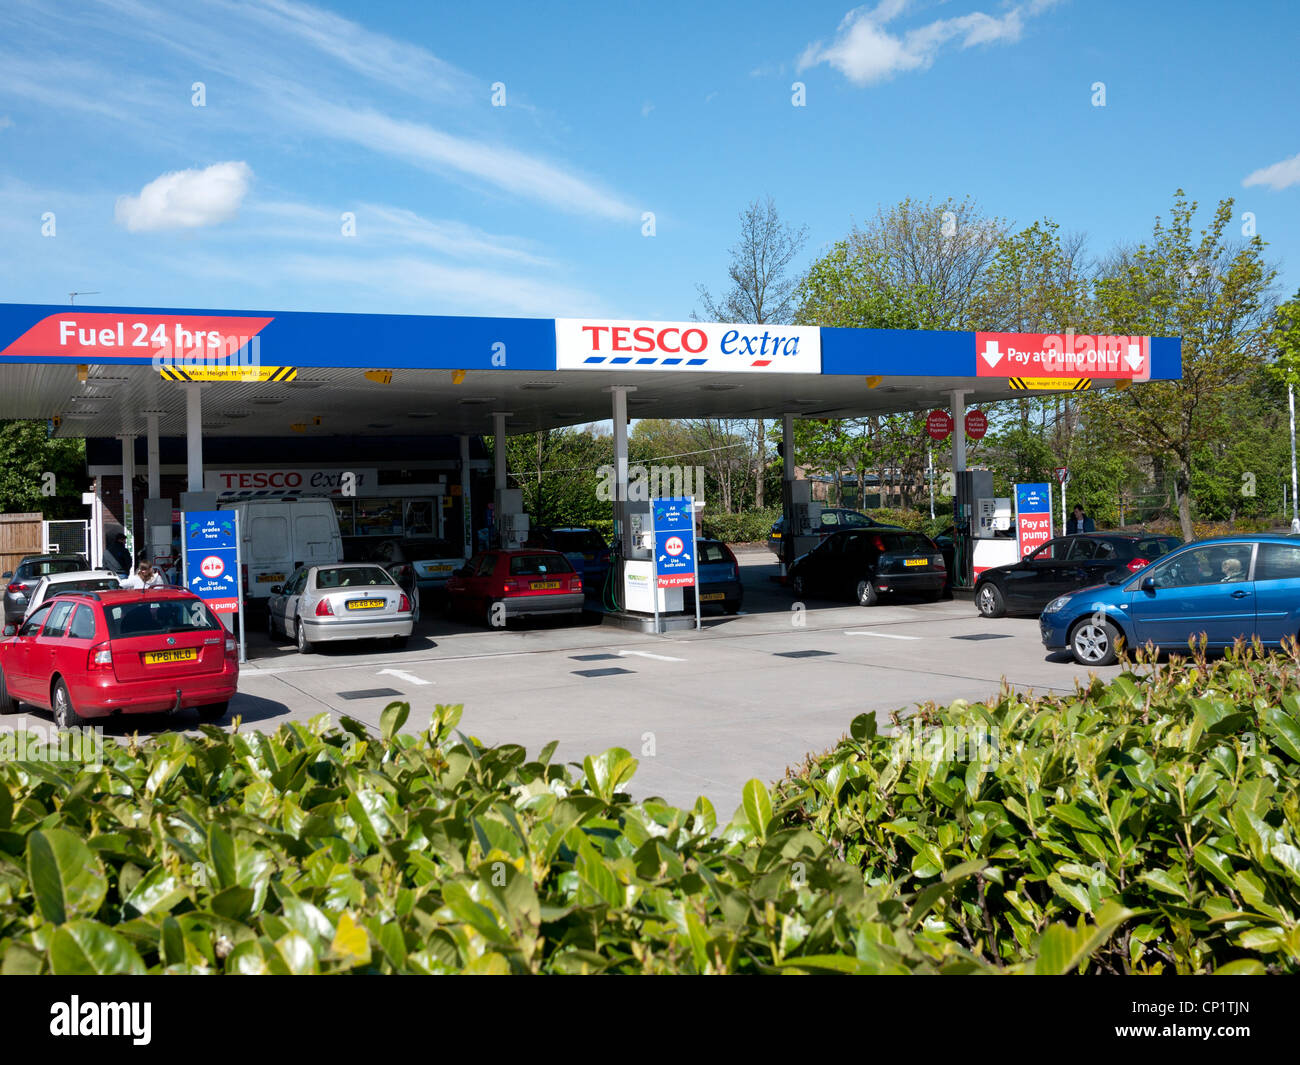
[94, 336]
[977, 424]
[1068, 355]
[939, 424]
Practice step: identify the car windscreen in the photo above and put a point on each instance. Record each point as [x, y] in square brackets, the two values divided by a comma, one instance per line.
[44, 567]
[90, 584]
[538, 565]
[352, 577]
[158, 618]
[907, 544]
[586, 540]
[712, 552]
[858, 521]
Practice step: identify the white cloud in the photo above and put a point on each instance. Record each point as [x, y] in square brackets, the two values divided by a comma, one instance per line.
[646, 108]
[5, 121]
[1278, 176]
[865, 52]
[186, 199]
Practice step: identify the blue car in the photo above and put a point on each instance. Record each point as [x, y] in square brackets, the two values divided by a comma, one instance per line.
[1228, 588]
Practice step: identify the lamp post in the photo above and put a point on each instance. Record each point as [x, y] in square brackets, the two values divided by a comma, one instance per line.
[1295, 503]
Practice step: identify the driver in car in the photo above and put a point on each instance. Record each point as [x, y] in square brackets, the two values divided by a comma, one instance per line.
[1232, 570]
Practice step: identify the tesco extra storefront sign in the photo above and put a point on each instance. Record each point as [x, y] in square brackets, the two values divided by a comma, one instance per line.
[690, 347]
[225, 482]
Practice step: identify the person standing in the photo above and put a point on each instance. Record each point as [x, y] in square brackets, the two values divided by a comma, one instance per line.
[145, 576]
[1079, 522]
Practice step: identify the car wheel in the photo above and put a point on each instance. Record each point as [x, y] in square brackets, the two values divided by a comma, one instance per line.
[213, 712]
[989, 601]
[7, 702]
[867, 594]
[1094, 642]
[798, 586]
[489, 614]
[730, 606]
[305, 646]
[64, 714]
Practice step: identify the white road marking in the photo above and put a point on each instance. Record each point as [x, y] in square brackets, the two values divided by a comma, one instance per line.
[647, 654]
[882, 635]
[401, 674]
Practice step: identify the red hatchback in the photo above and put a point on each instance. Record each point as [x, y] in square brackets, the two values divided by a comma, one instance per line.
[499, 585]
[92, 654]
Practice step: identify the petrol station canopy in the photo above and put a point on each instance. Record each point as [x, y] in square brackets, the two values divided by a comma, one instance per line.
[96, 371]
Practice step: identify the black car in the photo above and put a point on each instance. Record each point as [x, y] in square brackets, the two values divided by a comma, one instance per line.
[23, 580]
[833, 519]
[865, 563]
[1063, 565]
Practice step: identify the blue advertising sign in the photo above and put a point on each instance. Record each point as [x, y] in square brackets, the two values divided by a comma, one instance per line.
[1033, 516]
[673, 521]
[211, 558]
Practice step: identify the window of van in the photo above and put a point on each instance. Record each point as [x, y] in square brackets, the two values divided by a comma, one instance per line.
[269, 538]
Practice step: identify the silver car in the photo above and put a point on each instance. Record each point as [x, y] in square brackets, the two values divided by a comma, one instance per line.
[348, 601]
[89, 580]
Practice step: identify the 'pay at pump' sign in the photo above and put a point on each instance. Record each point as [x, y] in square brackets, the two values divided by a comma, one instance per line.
[211, 572]
[1033, 516]
[674, 525]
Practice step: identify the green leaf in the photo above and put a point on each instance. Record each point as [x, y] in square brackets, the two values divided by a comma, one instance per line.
[1159, 878]
[392, 719]
[88, 948]
[758, 807]
[609, 771]
[66, 877]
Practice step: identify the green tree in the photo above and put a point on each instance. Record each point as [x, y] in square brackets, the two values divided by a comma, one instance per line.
[27, 454]
[1215, 297]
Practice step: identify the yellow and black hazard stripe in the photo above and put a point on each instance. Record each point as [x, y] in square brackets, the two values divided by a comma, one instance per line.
[1045, 384]
[243, 374]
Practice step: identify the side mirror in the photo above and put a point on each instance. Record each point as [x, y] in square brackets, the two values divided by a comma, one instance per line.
[1149, 584]
[11, 630]
[277, 589]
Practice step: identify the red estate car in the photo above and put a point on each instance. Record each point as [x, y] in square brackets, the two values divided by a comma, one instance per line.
[525, 581]
[92, 654]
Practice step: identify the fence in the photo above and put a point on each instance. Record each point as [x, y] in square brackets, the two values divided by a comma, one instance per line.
[20, 534]
[66, 538]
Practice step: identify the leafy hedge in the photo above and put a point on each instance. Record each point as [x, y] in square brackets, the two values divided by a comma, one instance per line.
[330, 850]
[1172, 796]
[747, 527]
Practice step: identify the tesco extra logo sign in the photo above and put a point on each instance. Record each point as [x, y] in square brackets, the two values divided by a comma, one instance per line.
[686, 347]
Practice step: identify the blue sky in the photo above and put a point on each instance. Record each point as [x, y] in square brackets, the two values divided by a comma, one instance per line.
[535, 208]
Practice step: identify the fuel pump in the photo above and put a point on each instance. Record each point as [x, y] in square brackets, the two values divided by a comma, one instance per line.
[972, 485]
[512, 521]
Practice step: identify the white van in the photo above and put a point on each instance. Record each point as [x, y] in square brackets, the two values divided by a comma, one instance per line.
[279, 535]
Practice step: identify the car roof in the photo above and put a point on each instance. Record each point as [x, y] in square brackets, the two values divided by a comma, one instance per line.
[49, 558]
[115, 596]
[1264, 538]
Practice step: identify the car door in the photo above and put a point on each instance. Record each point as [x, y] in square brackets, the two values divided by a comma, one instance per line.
[19, 668]
[1277, 592]
[44, 655]
[1087, 563]
[1030, 584]
[292, 597]
[1201, 589]
[821, 571]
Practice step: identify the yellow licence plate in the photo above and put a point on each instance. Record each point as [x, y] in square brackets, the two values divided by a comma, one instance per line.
[183, 654]
[367, 604]
[544, 586]
[915, 561]
[709, 597]
[269, 578]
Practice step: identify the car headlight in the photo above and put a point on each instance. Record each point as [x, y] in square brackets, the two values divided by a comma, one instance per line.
[1056, 604]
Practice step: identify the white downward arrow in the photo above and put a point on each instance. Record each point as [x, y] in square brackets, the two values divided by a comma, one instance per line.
[410, 678]
[991, 354]
[1134, 357]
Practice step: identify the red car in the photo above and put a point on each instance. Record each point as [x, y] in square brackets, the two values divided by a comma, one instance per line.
[91, 654]
[499, 585]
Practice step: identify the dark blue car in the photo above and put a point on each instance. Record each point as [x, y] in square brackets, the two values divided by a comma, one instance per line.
[1228, 588]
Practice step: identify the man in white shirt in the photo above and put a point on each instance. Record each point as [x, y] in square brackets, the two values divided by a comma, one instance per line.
[145, 576]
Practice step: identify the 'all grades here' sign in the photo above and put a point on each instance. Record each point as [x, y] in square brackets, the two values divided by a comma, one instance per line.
[1033, 516]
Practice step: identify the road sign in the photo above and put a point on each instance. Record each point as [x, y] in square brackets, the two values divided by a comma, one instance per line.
[234, 374]
[939, 424]
[1063, 355]
[1033, 516]
[1062, 475]
[977, 424]
[1050, 384]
